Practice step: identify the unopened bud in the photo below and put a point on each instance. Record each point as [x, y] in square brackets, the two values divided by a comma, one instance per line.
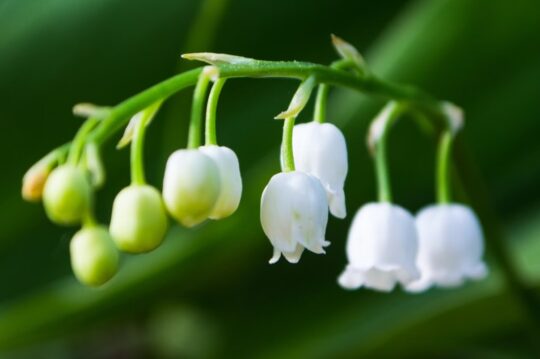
[191, 186]
[139, 220]
[94, 258]
[67, 195]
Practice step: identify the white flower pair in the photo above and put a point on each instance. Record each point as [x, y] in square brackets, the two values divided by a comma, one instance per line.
[202, 183]
[294, 205]
[386, 245]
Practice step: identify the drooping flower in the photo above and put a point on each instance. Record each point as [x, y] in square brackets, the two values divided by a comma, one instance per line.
[94, 258]
[320, 150]
[230, 178]
[191, 186]
[294, 213]
[67, 195]
[381, 248]
[451, 246]
[139, 219]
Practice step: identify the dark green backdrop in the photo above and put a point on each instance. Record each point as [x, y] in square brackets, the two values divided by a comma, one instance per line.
[209, 292]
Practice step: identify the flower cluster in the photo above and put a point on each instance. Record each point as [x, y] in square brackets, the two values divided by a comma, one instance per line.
[386, 245]
[295, 205]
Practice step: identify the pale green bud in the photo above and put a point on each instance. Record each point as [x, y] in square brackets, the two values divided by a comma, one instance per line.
[139, 220]
[67, 195]
[94, 258]
[191, 186]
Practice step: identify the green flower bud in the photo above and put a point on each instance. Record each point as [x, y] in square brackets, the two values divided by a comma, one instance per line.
[67, 195]
[94, 258]
[191, 186]
[139, 220]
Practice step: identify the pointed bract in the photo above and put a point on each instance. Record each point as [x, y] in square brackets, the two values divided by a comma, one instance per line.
[320, 150]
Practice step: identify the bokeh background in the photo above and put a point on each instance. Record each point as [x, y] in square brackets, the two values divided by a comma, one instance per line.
[209, 292]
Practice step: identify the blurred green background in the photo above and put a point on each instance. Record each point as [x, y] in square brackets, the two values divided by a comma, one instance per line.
[209, 292]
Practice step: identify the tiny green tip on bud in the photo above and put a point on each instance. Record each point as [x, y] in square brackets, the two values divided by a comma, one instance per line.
[139, 219]
[67, 195]
[87, 110]
[218, 59]
[94, 258]
[299, 100]
[349, 52]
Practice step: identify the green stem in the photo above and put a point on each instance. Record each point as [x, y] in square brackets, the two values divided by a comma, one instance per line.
[137, 150]
[287, 157]
[197, 108]
[381, 166]
[388, 115]
[320, 103]
[121, 113]
[79, 141]
[211, 111]
[443, 168]
[322, 93]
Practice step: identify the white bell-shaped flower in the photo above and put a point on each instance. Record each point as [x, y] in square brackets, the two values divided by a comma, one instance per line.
[231, 180]
[381, 248]
[294, 213]
[320, 150]
[451, 246]
[191, 186]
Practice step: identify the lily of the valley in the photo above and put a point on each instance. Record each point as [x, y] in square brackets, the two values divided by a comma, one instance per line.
[320, 150]
[294, 213]
[191, 186]
[451, 246]
[230, 179]
[381, 248]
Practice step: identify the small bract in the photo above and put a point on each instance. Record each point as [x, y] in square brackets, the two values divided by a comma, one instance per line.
[139, 220]
[191, 186]
[381, 248]
[294, 213]
[67, 195]
[320, 150]
[230, 178]
[94, 257]
[451, 245]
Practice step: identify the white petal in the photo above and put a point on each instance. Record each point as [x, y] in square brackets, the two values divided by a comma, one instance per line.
[294, 257]
[351, 278]
[336, 201]
[275, 257]
[230, 177]
[320, 150]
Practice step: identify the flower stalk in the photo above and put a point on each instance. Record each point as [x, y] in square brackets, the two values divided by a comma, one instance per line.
[287, 156]
[211, 111]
